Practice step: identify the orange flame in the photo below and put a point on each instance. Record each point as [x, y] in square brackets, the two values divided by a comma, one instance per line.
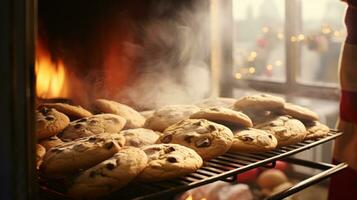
[50, 75]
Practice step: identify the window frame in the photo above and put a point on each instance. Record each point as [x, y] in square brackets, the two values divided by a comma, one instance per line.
[291, 86]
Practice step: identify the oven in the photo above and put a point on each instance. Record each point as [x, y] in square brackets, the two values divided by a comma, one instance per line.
[145, 54]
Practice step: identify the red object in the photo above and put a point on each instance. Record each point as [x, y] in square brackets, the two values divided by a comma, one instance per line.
[248, 176]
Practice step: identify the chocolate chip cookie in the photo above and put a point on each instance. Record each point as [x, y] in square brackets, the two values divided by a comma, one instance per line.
[40, 153]
[223, 116]
[286, 129]
[207, 138]
[80, 154]
[50, 142]
[167, 161]
[299, 112]
[109, 175]
[73, 112]
[259, 102]
[316, 129]
[133, 118]
[253, 140]
[93, 125]
[49, 122]
[167, 115]
[139, 137]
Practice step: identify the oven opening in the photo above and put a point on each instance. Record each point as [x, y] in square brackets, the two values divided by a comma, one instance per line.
[165, 99]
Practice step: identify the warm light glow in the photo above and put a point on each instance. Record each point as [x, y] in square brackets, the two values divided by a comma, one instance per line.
[238, 75]
[203, 199]
[326, 30]
[253, 54]
[293, 39]
[251, 70]
[269, 67]
[301, 37]
[278, 63]
[189, 198]
[280, 36]
[50, 75]
[265, 29]
[337, 34]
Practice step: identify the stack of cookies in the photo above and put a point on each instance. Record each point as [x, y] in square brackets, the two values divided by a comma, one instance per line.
[114, 145]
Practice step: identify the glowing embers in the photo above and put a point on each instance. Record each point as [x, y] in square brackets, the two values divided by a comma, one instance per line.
[50, 75]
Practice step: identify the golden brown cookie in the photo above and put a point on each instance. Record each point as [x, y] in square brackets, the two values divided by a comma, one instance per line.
[316, 129]
[259, 102]
[40, 153]
[109, 175]
[286, 129]
[93, 125]
[299, 112]
[139, 137]
[217, 102]
[50, 142]
[73, 112]
[80, 154]
[50, 122]
[167, 115]
[223, 115]
[253, 140]
[207, 138]
[133, 118]
[167, 161]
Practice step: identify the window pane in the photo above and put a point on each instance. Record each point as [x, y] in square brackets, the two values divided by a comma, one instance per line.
[323, 33]
[258, 39]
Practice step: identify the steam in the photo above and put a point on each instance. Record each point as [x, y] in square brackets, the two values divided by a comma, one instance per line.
[173, 68]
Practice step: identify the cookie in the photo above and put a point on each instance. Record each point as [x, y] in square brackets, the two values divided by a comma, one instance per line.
[140, 137]
[299, 112]
[223, 115]
[133, 118]
[167, 115]
[207, 138]
[40, 153]
[50, 142]
[109, 175]
[217, 102]
[73, 112]
[93, 125]
[167, 161]
[253, 140]
[49, 122]
[316, 129]
[286, 129]
[259, 102]
[147, 114]
[80, 154]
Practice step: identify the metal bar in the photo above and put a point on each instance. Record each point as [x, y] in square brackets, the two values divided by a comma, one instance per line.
[308, 182]
[307, 163]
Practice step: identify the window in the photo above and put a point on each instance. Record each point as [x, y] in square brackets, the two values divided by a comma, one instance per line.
[288, 46]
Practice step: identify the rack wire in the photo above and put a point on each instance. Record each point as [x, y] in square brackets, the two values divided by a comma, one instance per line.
[226, 167]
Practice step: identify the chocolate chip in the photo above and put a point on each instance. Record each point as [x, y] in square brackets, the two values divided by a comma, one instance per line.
[203, 142]
[82, 120]
[271, 137]
[44, 110]
[166, 139]
[49, 118]
[77, 126]
[92, 174]
[110, 166]
[247, 139]
[188, 138]
[109, 145]
[214, 109]
[169, 150]
[171, 159]
[211, 128]
[93, 121]
[92, 139]
[197, 123]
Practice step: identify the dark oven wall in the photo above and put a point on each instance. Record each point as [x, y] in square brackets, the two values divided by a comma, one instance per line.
[143, 53]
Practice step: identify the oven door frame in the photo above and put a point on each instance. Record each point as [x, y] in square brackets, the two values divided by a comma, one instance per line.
[17, 138]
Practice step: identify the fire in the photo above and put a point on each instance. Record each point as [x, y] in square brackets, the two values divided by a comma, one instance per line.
[50, 75]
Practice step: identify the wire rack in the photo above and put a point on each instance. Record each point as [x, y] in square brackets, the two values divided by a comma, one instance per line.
[226, 167]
